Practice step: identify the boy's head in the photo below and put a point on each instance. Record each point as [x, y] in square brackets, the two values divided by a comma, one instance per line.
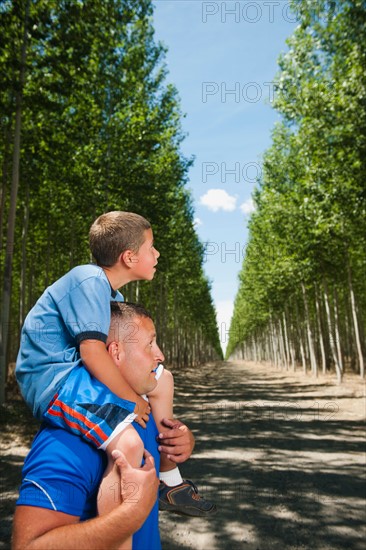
[132, 345]
[115, 232]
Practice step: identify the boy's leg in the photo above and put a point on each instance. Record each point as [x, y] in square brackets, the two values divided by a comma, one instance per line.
[86, 407]
[175, 494]
[109, 495]
[129, 442]
[161, 402]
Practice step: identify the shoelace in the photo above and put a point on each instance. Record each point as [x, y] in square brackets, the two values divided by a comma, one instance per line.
[194, 487]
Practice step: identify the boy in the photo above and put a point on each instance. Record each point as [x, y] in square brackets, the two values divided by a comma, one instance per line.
[63, 346]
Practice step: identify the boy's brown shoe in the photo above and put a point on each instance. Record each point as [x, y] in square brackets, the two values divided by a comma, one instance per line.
[184, 499]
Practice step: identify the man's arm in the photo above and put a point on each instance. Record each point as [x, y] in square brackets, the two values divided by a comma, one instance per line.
[177, 442]
[97, 360]
[41, 529]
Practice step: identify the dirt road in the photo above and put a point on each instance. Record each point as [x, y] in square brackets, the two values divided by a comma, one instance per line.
[282, 456]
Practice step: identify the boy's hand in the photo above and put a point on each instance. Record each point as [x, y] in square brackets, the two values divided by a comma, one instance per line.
[177, 442]
[142, 410]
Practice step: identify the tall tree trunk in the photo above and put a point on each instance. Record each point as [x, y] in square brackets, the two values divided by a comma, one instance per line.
[313, 364]
[23, 267]
[282, 346]
[336, 330]
[355, 322]
[274, 344]
[302, 353]
[30, 283]
[48, 253]
[292, 348]
[300, 337]
[7, 139]
[5, 316]
[321, 339]
[286, 338]
[331, 336]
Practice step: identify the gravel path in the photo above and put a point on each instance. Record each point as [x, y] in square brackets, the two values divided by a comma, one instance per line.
[282, 456]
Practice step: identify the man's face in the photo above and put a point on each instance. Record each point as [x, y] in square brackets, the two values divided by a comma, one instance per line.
[140, 356]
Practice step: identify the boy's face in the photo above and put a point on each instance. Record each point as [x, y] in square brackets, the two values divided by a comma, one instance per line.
[141, 355]
[145, 260]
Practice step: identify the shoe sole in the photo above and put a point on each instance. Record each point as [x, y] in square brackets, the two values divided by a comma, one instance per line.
[193, 512]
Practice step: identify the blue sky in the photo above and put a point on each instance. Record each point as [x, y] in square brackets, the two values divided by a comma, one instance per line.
[222, 58]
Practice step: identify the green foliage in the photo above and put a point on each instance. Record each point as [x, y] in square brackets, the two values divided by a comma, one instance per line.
[100, 131]
[310, 223]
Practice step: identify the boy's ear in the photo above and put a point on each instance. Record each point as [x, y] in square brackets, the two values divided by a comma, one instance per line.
[127, 257]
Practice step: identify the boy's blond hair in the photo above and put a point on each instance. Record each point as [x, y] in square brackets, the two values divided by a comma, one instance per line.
[113, 233]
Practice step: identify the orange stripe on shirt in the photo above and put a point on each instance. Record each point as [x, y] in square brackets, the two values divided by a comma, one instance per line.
[75, 425]
[82, 418]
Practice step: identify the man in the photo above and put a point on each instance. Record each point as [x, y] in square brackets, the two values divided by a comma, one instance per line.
[62, 473]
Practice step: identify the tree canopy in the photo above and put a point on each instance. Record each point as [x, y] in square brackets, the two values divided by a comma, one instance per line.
[302, 295]
[88, 125]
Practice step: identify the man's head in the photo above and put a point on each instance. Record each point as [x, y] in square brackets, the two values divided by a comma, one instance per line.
[115, 232]
[132, 345]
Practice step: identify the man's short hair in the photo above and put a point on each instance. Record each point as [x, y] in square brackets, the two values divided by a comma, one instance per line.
[115, 232]
[127, 310]
[122, 314]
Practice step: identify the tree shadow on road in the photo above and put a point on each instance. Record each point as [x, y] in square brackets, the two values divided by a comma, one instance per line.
[282, 457]
[285, 471]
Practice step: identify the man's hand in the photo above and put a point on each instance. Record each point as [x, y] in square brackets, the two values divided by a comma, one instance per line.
[177, 442]
[142, 410]
[138, 485]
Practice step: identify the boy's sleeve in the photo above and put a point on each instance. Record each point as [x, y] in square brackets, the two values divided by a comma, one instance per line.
[86, 310]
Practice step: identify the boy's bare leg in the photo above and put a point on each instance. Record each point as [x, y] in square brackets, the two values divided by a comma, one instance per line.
[161, 402]
[109, 495]
[175, 494]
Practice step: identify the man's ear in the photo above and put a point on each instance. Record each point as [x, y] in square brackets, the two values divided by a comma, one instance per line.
[116, 351]
[112, 348]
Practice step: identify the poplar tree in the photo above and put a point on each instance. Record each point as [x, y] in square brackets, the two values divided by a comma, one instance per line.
[100, 131]
[308, 288]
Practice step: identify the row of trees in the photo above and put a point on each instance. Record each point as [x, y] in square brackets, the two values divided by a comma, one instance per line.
[89, 125]
[302, 296]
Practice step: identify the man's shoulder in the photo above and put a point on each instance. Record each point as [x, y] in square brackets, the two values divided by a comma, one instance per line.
[53, 443]
[62, 473]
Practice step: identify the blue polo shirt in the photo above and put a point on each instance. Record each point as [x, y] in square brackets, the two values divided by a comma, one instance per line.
[73, 309]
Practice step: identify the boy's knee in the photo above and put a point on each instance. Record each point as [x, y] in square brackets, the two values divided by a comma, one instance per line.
[128, 442]
[135, 445]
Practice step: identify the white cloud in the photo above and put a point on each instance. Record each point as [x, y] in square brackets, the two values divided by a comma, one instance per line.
[197, 222]
[218, 199]
[247, 207]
